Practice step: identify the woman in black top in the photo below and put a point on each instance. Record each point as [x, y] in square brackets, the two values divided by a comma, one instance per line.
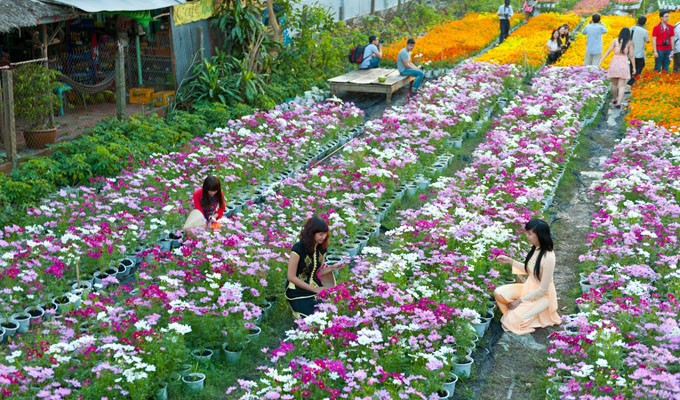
[306, 269]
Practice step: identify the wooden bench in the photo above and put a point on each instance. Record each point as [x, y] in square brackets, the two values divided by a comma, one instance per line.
[366, 81]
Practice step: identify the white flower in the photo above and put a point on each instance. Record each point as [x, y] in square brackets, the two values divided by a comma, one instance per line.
[602, 363]
[179, 328]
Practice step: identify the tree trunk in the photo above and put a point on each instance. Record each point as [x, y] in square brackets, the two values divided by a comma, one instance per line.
[273, 22]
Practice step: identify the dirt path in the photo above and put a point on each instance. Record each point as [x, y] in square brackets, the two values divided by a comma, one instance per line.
[513, 367]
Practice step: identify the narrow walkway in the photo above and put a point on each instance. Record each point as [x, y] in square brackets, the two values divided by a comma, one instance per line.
[515, 367]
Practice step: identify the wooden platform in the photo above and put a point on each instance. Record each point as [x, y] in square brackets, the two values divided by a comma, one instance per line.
[366, 81]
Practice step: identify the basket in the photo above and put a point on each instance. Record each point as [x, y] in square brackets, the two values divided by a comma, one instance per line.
[141, 95]
[163, 98]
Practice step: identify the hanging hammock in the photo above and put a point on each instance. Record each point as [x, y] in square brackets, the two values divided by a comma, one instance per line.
[89, 89]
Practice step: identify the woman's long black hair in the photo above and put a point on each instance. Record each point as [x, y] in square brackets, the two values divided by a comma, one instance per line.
[209, 184]
[542, 230]
[311, 227]
[624, 37]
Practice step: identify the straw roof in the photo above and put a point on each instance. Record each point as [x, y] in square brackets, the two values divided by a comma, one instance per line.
[22, 13]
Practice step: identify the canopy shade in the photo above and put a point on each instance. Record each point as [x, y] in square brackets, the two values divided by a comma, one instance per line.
[118, 5]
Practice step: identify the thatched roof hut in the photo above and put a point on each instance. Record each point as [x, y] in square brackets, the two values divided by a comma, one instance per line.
[16, 14]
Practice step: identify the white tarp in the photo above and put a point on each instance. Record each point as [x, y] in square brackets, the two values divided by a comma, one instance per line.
[118, 5]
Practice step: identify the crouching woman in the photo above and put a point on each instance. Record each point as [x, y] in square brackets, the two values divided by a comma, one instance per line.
[532, 304]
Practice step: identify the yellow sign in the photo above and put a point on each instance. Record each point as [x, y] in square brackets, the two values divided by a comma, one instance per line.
[193, 11]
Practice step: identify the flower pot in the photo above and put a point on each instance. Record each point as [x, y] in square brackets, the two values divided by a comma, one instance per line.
[202, 355]
[23, 319]
[444, 394]
[36, 313]
[480, 328]
[50, 310]
[232, 356]
[63, 304]
[82, 285]
[176, 239]
[161, 392]
[254, 333]
[98, 278]
[2, 335]
[333, 259]
[165, 244]
[10, 326]
[194, 381]
[463, 368]
[450, 384]
[182, 370]
[39, 139]
[586, 286]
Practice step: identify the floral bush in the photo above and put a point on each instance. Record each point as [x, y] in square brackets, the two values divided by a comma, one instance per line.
[624, 342]
[654, 98]
[449, 42]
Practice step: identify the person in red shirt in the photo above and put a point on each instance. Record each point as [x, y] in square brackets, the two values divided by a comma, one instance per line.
[662, 42]
[209, 206]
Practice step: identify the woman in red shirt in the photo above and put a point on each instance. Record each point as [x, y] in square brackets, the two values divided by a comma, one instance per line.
[209, 205]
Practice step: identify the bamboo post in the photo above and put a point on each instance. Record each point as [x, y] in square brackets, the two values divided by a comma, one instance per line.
[120, 82]
[46, 65]
[8, 126]
[372, 6]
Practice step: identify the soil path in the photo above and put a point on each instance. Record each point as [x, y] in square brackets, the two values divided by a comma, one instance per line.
[512, 367]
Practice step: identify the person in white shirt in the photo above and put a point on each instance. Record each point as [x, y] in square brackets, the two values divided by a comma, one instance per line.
[372, 54]
[639, 36]
[594, 30]
[554, 48]
[504, 14]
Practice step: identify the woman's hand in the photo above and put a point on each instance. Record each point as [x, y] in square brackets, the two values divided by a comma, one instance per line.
[514, 304]
[504, 259]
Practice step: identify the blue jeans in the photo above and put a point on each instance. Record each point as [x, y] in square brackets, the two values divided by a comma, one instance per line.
[662, 61]
[414, 72]
[375, 63]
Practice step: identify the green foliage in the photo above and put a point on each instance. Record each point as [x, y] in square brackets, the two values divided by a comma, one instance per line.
[34, 98]
[217, 115]
[111, 146]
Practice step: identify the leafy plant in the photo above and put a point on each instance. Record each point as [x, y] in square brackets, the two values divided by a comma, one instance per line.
[34, 98]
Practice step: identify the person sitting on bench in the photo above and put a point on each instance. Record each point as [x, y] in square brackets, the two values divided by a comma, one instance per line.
[372, 54]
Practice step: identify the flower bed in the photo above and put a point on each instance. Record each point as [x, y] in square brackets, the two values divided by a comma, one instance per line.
[189, 296]
[587, 8]
[656, 97]
[624, 342]
[527, 44]
[417, 301]
[450, 42]
[577, 50]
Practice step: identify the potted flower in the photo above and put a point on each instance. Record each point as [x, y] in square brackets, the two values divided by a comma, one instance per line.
[34, 103]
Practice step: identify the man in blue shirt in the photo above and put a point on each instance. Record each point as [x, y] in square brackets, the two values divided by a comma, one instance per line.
[594, 30]
[406, 67]
[372, 54]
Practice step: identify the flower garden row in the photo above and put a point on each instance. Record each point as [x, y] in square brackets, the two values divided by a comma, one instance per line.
[202, 289]
[403, 318]
[624, 343]
[450, 43]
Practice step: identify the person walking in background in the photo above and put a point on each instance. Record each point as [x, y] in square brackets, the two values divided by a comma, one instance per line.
[504, 14]
[372, 54]
[638, 36]
[407, 68]
[594, 30]
[528, 8]
[619, 70]
[532, 304]
[676, 48]
[662, 42]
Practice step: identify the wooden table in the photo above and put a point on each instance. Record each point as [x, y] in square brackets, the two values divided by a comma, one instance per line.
[366, 81]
